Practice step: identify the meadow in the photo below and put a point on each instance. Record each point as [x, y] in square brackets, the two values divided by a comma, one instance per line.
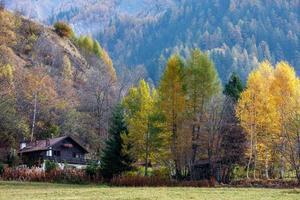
[41, 191]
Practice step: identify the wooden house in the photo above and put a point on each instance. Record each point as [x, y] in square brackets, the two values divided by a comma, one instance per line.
[63, 150]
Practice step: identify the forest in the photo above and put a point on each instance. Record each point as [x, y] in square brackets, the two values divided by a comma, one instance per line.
[238, 35]
[54, 83]
[143, 34]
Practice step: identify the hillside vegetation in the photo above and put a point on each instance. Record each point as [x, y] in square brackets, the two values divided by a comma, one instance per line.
[52, 84]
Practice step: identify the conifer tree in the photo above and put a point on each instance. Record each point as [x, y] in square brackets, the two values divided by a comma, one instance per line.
[113, 160]
[234, 87]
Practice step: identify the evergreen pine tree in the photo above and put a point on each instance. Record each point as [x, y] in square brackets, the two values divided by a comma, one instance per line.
[113, 160]
[234, 87]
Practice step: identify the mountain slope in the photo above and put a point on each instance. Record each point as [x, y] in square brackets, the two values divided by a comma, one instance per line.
[237, 34]
[50, 85]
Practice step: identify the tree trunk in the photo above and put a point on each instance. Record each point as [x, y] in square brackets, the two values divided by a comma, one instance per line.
[251, 155]
[267, 164]
[147, 151]
[34, 116]
[254, 169]
[282, 163]
[255, 157]
[298, 153]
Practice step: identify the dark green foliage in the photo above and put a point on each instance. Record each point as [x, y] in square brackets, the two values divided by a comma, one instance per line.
[92, 169]
[49, 131]
[1, 169]
[234, 87]
[63, 29]
[13, 158]
[113, 161]
[50, 165]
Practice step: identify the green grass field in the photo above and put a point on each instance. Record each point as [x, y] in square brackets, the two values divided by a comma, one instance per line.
[41, 191]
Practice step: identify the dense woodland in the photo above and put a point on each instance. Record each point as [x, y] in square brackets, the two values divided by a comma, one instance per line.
[142, 34]
[237, 34]
[54, 83]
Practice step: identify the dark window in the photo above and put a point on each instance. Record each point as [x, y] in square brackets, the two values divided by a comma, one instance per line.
[56, 153]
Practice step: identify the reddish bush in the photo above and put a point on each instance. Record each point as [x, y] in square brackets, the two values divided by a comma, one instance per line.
[270, 183]
[153, 181]
[58, 176]
[139, 181]
[23, 174]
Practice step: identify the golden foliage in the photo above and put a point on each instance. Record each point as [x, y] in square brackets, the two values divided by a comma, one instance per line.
[267, 106]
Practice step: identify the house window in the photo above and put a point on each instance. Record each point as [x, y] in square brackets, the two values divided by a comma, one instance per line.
[56, 153]
[76, 155]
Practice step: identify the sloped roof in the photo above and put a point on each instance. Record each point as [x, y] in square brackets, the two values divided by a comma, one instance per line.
[43, 145]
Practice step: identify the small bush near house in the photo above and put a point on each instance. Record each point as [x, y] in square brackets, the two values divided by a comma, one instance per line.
[50, 165]
[63, 29]
[161, 172]
[93, 171]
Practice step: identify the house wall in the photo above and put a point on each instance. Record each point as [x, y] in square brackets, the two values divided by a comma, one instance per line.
[71, 155]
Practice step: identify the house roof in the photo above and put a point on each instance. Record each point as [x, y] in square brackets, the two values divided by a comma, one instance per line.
[43, 145]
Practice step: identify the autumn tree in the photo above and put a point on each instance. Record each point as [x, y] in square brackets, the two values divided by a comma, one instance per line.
[36, 91]
[202, 83]
[258, 116]
[292, 137]
[91, 48]
[12, 124]
[139, 106]
[285, 88]
[172, 104]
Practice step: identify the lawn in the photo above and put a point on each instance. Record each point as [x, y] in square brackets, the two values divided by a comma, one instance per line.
[41, 191]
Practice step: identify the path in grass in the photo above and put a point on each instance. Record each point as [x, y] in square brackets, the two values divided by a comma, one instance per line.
[43, 191]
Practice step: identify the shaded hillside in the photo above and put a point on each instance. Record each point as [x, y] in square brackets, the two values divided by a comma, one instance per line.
[52, 85]
[237, 34]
